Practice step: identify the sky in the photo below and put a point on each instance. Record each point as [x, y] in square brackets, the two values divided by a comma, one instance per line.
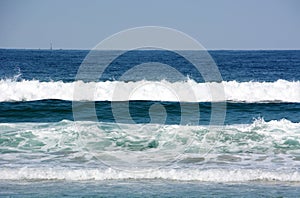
[216, 24]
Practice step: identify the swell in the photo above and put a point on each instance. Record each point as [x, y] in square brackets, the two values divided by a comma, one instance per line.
[57, 110]
[185, 91]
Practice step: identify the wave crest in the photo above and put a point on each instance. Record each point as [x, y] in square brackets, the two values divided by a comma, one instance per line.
[30, 90]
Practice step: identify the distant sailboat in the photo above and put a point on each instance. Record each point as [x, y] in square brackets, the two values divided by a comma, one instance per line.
[51, 46]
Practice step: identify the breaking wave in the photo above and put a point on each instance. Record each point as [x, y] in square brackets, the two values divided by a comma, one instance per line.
[30, 90]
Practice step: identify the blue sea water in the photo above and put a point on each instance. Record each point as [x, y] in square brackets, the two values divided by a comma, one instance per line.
[151, 142]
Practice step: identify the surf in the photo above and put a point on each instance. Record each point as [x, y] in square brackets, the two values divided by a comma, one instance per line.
[203, 175]
[250, 92]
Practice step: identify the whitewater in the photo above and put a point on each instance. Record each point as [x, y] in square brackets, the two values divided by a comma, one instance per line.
[30, 90]
[98, 149]
[210, 175]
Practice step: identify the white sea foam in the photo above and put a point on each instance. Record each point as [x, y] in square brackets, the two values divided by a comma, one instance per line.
[261, 151]
[260, 144]
[207, 175]
[280, 90]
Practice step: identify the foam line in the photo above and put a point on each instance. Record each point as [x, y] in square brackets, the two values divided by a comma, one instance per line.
[187, 91]
[209, 175]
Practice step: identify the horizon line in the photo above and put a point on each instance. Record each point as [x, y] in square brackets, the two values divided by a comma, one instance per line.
[207, 49]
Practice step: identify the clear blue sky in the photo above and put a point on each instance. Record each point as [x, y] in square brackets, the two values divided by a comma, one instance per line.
[216, 24]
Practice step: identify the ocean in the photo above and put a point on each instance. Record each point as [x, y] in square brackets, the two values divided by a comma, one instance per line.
[143, 131]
